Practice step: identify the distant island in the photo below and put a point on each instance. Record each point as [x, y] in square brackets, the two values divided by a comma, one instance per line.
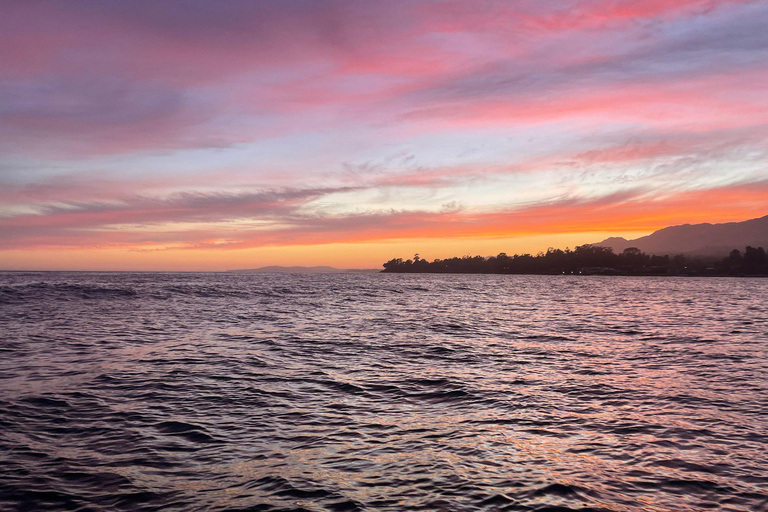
[277, 269]
[698, 249]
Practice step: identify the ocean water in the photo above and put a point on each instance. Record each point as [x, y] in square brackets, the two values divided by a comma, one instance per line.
[216, 392]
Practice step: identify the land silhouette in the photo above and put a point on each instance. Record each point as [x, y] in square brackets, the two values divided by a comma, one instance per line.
[590, 260]
[697, 239]
[698, 249]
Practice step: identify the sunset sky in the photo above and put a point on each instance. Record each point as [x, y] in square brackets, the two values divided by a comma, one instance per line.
[211, 135]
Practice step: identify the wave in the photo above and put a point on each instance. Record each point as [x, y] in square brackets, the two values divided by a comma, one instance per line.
[380, 392]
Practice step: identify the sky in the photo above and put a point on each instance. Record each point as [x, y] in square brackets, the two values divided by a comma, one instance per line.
[199, 135]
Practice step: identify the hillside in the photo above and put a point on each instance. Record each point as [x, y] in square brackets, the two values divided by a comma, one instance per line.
[698, 239]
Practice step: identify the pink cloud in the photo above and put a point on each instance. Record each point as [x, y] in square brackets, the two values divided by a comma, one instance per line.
[179, 68]
[88, 224]
[87, 78]
[709, 103]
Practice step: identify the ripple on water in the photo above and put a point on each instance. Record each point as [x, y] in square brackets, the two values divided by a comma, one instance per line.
[381, 392]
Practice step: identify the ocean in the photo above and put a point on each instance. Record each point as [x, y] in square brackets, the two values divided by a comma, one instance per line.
[343, 392]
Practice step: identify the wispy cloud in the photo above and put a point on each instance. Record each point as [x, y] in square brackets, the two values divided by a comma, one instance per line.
[241, 124]
[280, 218]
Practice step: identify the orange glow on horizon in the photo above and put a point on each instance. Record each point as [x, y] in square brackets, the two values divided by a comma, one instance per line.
[438, 235]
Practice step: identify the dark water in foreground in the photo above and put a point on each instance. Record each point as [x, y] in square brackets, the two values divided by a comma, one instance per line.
[382, 392]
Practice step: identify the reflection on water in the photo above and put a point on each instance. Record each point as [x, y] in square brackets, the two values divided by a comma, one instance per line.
[382, 392]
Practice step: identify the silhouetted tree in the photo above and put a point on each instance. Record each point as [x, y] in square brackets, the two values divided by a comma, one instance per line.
[754, 260]
[588, 259]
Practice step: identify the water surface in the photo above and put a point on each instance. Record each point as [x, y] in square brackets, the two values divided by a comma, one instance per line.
[382, 392]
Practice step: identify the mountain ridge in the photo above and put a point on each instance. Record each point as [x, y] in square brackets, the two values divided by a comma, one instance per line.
[703, 239]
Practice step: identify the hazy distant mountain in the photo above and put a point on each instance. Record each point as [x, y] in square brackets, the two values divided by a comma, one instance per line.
[304, 270]
[699, 239]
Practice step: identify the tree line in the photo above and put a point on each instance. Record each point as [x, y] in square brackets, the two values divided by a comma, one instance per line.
[589, 259]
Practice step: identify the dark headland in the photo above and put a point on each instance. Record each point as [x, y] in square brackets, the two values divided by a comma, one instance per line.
[700, 250]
